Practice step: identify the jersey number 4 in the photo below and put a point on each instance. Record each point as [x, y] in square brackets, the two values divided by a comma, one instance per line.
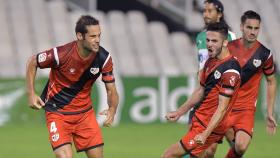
[53, 128]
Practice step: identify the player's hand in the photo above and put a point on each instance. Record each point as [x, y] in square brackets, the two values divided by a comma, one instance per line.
[200, 138]
[172, 116]
[110, 113]
[271, 125]
[35, 102]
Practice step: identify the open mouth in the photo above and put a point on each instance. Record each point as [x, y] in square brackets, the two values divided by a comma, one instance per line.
[210, 50]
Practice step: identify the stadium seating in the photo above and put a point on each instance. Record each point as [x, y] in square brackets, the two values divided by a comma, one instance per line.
[7, 55]
[138, 47]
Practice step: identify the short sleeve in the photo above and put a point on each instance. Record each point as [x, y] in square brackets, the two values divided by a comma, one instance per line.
[229, 82]
[47, 59]
[107, 71]
[268, 67]
[202, 78]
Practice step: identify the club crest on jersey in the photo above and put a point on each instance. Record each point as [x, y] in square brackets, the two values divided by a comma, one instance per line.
[94, 70]
[217, 74]
[257, 62]
[42, 57]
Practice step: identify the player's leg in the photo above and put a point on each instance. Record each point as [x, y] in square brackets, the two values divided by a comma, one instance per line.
[210, 152]
[230, 136]
[64, 151]
[95, 153]
[88, 137]
[242, 141]
[174, 151]
[59, 135]
[243, 133]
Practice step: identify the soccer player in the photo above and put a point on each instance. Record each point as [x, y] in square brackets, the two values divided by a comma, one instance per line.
[213, 12]
[216, 93]
[66, 100]
[255, 59]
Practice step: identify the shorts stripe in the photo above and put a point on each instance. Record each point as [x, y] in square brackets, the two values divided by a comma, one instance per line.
[92, 147]
[54, 148]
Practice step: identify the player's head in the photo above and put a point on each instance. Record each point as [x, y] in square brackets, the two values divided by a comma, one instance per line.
[88, 32]
[216, 38]
[213, 11]
[250, 26]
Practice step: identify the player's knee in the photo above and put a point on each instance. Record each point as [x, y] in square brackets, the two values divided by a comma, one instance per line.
[210, 152]
[167, 154]
[240, 147]
[63, 154]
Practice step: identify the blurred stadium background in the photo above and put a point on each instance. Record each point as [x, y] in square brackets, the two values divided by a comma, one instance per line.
[152, 44]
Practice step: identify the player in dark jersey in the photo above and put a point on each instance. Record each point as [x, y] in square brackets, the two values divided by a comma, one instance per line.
[255, 60]
[219, 82]
[75, 67]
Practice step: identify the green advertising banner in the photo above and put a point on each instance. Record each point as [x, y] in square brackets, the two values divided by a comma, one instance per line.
[142, 99]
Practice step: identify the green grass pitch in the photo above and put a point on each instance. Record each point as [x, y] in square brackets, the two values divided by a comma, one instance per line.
[124, 141]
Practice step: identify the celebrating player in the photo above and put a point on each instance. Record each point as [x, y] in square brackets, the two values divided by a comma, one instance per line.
[219, 82]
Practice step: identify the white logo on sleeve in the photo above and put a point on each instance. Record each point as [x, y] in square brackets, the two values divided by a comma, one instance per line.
[217, 74]
[257, 62]
[94, 70]
[42, 57]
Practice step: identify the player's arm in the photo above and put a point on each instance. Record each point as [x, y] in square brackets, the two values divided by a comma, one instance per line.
[215, 120]
[187, 105]
[228, 85]
[271, 95]
[113, 101]
[35, 101]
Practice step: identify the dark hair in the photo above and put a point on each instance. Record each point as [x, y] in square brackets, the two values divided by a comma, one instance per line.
[85, 20]
[218, 5]
[220, 8]
[250, 15]
[218, 27]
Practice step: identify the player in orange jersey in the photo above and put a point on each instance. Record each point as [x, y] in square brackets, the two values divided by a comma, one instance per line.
[75, 67]
[219, 82]
[255, 60]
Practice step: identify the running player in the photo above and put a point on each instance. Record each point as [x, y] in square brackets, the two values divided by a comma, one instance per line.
[255, 59]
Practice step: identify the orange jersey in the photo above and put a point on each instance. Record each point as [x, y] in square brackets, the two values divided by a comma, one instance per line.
[71, 77]
[254, 62]
[219, 77]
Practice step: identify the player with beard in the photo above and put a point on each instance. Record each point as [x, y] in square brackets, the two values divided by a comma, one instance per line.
[213, 98]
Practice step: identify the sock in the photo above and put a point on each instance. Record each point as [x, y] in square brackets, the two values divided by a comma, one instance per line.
[186, 156]
[232, 154]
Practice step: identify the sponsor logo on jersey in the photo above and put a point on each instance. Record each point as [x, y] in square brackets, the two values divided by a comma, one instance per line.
[217, 74]
[94, 70]
[257, 62]
[42, 57]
